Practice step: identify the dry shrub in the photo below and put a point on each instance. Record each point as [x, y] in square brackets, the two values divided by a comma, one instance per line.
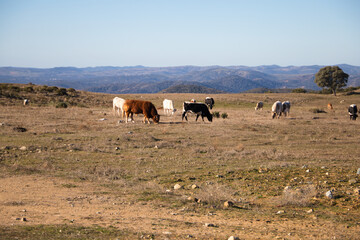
[300, 196]
[215, 194]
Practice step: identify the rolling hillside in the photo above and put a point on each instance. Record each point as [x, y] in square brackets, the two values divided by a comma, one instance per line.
[140, 79]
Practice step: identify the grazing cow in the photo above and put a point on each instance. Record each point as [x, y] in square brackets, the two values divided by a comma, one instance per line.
[286, 108]
[118, 104]
[259, 106]
[139, 106]
[168, 106]
[210, 102]
[330, 106]
[200, 109]
[26, 102]
[276, 109]
[353, 111]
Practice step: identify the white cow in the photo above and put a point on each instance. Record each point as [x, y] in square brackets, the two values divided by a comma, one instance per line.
[259, 106]
[26, 102]
[118, 104]
[168, 107]
[276, 109]
[286, 108]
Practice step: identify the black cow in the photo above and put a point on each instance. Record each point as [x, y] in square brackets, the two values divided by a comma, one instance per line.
[200, 109]
[353, 111]
[210, 102]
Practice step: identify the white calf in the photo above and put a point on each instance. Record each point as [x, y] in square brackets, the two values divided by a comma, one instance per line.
[276, 109]
[168, 107]
[118, 104]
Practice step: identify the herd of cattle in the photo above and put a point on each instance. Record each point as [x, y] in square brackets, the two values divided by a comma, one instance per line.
[131, 107]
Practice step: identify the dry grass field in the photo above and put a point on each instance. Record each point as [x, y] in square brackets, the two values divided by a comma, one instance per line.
[79, 173]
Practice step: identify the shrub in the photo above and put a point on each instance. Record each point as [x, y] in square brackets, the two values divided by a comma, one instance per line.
[216, 114]
[29, 89]
[317, 110]
[61, 92]
[61, 105]
[224, 115]
[299, 90]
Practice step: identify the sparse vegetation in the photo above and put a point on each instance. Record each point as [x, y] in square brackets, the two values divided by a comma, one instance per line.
[116, 180]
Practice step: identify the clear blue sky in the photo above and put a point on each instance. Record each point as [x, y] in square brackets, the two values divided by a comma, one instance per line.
[88, 33]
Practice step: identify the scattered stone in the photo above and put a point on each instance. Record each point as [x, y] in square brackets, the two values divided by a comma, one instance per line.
[307, 170]
[304, 166]
[352, 181]
[23, 148]
[194, 186]
[209, 225]
[102, 119]
[156, 147]
[228, 204]
[358, 171]
[192, 199]
[177, 186]
[233, 238]
[310, 211]
[21, 219]
[357, 191]
[329, 194]
[167, 233]
[280, 212]
[24, 210]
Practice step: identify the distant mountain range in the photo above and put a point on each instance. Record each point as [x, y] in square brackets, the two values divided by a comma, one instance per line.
[140, 79]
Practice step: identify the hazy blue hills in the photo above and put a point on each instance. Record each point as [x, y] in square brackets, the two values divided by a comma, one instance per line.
[140, 79]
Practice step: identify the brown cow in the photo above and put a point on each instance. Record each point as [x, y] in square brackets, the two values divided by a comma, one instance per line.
[144, 107]
[330, 106]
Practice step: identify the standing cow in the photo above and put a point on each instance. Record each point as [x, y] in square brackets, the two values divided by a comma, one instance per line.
[210, 102]
[168, 107]
[139, 106]
[276, 109]
[353, 111]
[200, 109]
[259, 106]
[26, 102]
[286, 108]
[118, 104]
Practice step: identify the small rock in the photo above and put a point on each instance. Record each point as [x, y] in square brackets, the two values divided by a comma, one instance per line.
[102, 119]
[357, 191]
[287, 188]
[209, 225]
[329, 194]
[352, 181]
[167, 233]
[192, 199]
[228, 204]
[23, 148]
[280, 212]
[23, 219]
[233, 238]
[219, 176]
[307, 170]
[177, 186]
[310, 211]
[358, 171]
[194, 186]
[156, 147]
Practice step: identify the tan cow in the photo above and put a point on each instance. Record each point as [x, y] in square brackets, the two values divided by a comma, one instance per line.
[139, 106]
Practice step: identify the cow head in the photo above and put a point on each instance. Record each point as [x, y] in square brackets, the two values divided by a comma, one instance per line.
[156, 118]
[209, 117]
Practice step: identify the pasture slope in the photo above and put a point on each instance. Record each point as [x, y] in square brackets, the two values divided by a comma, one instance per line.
[79, 173]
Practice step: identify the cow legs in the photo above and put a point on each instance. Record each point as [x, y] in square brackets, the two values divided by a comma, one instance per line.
[184, 115]
[197, 116]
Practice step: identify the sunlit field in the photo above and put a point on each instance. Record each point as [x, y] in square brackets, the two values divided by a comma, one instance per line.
[82, 173]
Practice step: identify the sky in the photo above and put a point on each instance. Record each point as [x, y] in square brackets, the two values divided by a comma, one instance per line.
[162, 33]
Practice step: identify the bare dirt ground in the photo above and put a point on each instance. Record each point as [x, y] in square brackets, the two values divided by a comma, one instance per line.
[77, 170]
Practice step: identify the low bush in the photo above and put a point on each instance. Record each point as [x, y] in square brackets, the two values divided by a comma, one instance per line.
[61, 105]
